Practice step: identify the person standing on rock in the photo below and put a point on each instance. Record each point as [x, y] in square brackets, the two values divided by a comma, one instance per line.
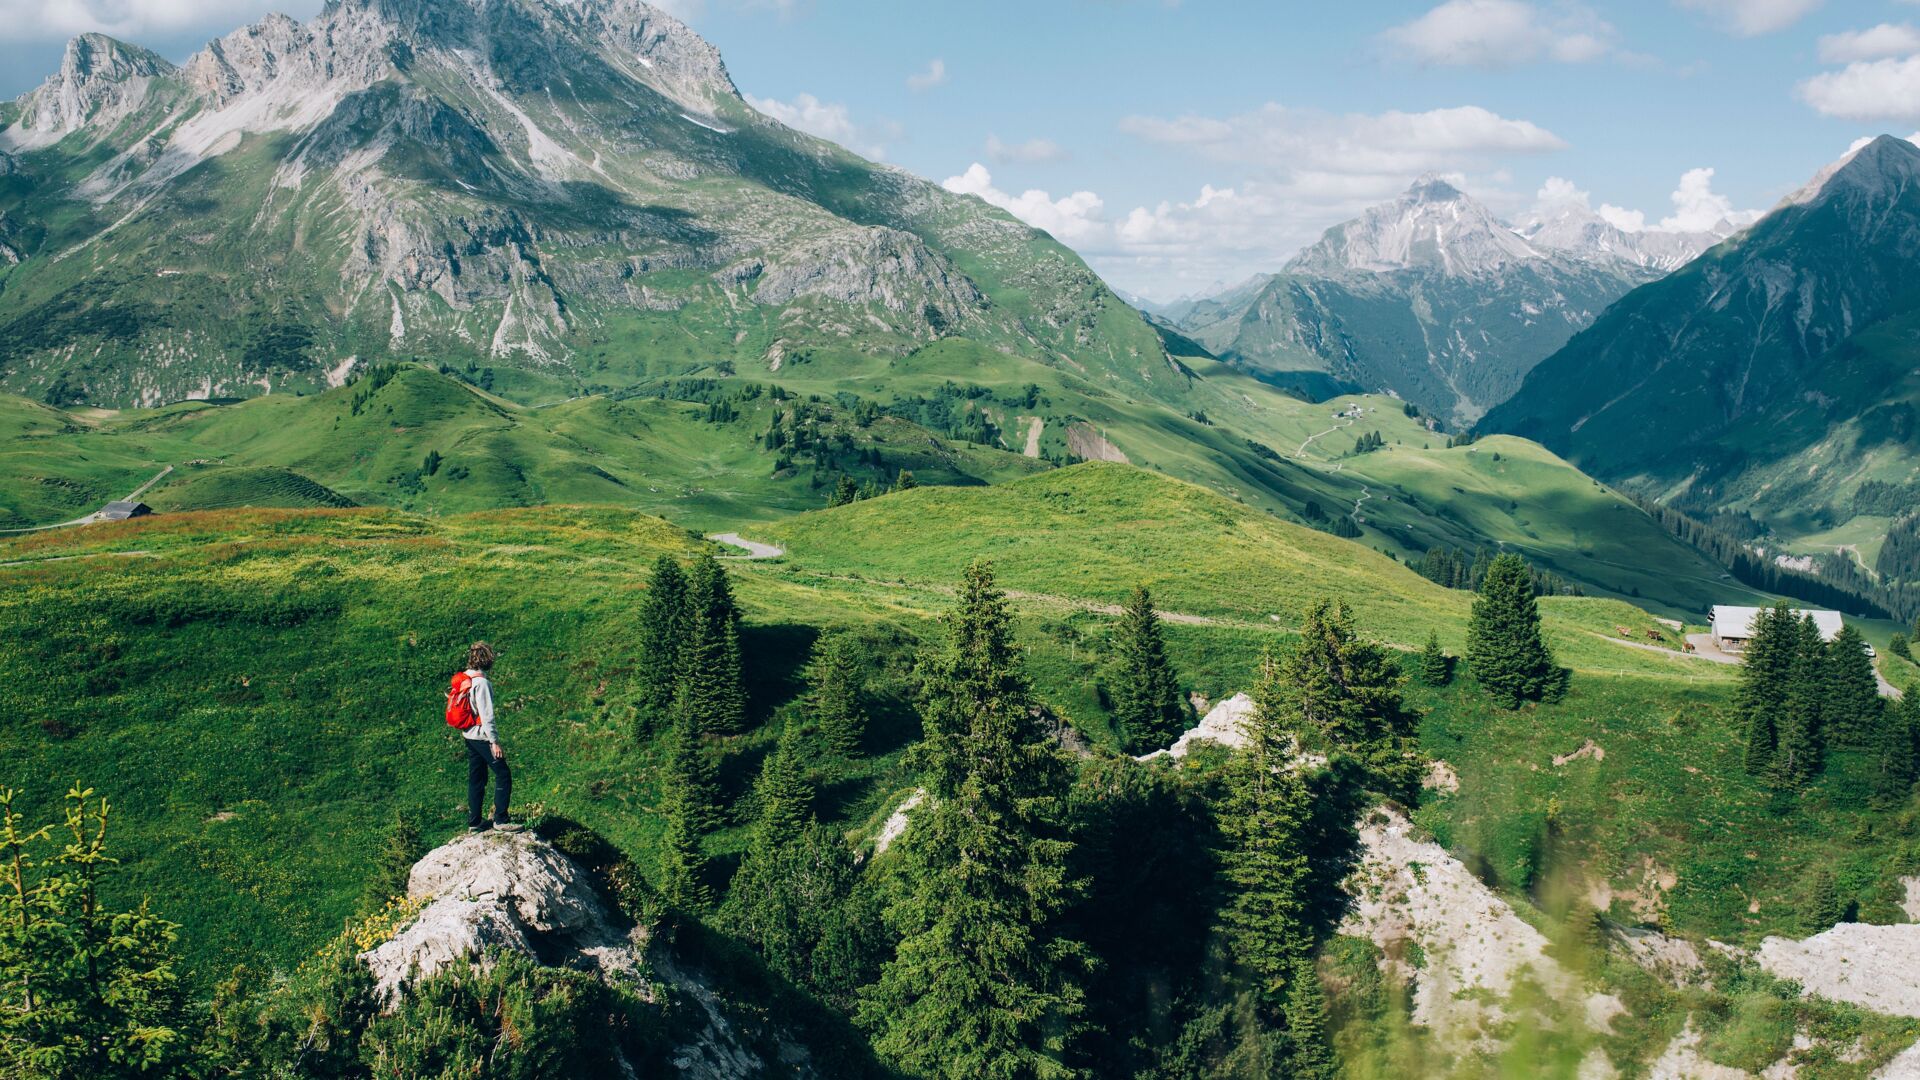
[484, 752]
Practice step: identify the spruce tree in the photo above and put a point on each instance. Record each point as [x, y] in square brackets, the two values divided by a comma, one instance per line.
[1148, 707]
[1797, 746]
[784, 794]
[1765, 669]
[1265, 822]
[1505, 651]
[664, 622]
[1899, 646]
[711, 685]
[691, 805]
[1309, 1053]
[1893, 750]
[1822, 910]
[1343, 692]
[982, 983]
[834, 693]
[1851, 699]
[907, 482]
[1436, 667]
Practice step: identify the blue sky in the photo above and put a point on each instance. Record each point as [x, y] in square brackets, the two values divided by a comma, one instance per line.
[1176, 144]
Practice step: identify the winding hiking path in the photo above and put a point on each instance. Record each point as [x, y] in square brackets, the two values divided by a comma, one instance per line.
[1365, 494]
[753, 550]
[137, 492]
[1351, 420]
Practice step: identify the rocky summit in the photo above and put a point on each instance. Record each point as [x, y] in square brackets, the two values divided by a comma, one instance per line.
[519, 183]
[1432, 297]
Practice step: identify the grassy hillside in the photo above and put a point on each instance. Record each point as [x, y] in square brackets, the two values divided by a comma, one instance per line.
[258, 690]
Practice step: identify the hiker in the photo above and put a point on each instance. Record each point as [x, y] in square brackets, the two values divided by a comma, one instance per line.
[470, 710]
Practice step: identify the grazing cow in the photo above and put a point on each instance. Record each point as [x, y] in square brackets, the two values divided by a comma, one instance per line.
[1623, 631]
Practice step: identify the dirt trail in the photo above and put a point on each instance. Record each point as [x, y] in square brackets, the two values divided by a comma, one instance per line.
[1303, 446]
[753, 550]
[88, 555]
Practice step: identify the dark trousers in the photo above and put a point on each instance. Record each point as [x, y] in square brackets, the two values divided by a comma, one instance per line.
[480, 759]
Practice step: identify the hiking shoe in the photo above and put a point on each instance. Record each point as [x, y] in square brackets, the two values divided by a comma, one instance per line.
[508, 826]
[480, 828]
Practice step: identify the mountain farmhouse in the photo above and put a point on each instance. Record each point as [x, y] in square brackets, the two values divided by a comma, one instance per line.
[1733, 626]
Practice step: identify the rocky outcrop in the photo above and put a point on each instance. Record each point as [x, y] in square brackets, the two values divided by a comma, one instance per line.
[493, 891]
[1462, 946]
[1221, 725]
[885, 268]
[1875, 967]
[100, 79]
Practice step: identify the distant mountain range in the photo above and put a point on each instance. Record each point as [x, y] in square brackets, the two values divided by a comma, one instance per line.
[1779, 373]
[1434, 298]
[575, 191]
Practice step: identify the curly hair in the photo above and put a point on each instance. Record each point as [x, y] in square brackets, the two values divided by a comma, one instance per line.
[479, 656]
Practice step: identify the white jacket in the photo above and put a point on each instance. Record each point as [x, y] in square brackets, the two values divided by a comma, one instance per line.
[480, 696]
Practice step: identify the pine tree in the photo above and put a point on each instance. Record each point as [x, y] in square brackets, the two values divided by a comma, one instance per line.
[1822, 910]
[1851, 699]
[691, 806]
[1265, 864]
[1900, 646]
[907, 482]
[1436, 667]
[784, 794]
[1796, 755]
[1148, 707]
[1765, 669]
[86, 989]
[1893, 750]
[982, 983]
[1309, 1054]
[711, 686]
[835, 688]
[1505, 651]
[844, 493]
[664, 622]
[1344, 693]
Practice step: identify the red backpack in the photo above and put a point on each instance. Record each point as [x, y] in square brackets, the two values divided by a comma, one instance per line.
[460, 714]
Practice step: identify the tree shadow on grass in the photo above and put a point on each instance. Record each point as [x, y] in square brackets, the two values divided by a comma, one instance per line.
[776, 662]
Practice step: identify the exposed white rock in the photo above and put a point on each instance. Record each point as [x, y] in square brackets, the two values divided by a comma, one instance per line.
[1910, 903]
[1433, 225]
[512, 891]
[1475, 948]
[1220, 725]
[1875, 967]
[1682, 1060]
[896, 824]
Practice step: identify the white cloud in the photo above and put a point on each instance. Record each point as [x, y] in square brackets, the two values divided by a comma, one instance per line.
[1874, 43]
[39, 20]
[1750, 18]
[1867, 90]
[934, 75]
[1305, 143]
[1501, 34]
[829, 121]
[1033, 150]
[1696, 206]
[1300, 170]
[1075, 220]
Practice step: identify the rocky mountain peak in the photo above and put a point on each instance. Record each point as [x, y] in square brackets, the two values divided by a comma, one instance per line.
[1433, 226]
[1574, 229]
[1881, 167]
[98, 76]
